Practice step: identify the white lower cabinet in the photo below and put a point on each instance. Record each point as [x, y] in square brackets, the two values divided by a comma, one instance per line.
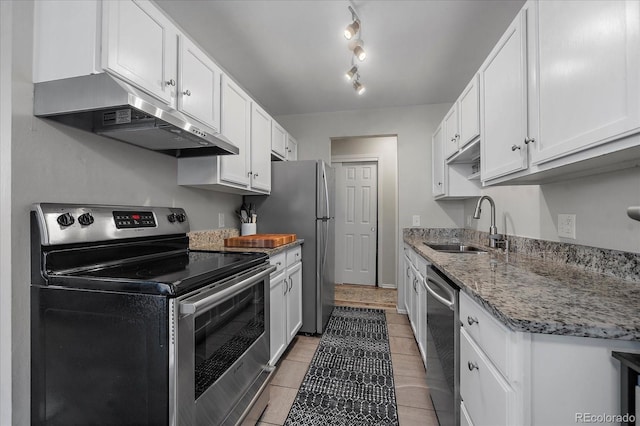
[518, 378]
[485, 392]
[285, 311]
[415, 298]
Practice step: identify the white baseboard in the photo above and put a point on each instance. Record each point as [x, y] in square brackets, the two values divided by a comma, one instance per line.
[387, 286]
[401, 311]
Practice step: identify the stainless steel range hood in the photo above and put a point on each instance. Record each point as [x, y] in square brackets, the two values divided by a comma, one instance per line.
[110, 107]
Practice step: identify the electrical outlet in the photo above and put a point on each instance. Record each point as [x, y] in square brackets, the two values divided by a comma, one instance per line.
[468, 220]
[220, 220]
[567, 226]
[416, 220]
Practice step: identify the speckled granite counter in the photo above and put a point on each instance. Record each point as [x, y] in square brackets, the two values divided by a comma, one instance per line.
[530, 294]
[213, 240]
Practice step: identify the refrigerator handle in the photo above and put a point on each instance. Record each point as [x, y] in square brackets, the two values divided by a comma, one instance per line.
[326, 188]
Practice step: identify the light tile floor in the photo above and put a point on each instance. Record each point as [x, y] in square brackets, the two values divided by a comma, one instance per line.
[412, 394]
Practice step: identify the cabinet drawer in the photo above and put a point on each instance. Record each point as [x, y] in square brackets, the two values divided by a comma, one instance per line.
[294, 255]
[483, 390]
[491, 336]
[279, 260]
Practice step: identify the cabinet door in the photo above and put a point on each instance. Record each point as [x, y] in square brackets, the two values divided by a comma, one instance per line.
[292, 148]
[294, 300]
[437, 181]
[260, 149]
[588, 70]
[199, 85]
[486, 395]
[140, 45]
[236, 126]
[277, 316]
[406, 284]
[278, 140]
[414, 300]
[421, 337]
[469, 112]
[504, 121]
[450, 132]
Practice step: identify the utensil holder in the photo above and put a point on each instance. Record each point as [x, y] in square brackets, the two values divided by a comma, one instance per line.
[247, 229]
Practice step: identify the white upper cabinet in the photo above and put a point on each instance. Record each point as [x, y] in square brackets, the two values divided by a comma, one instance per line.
[140, 46]
[278, 140]
[560, 93]
[587, 64]
[461, 125]
[469, 113]
[260, 149]
[503, 82]
[199, 85]
[236, 126]
[292, 148]
[437, 177]
[450, 132]
[249, 127]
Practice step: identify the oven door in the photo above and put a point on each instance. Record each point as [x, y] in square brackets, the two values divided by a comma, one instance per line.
[221, 346]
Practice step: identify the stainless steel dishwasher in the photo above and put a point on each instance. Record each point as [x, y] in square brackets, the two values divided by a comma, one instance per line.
[443, 352]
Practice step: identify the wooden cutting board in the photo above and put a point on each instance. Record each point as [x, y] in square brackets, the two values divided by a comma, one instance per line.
[260, 240]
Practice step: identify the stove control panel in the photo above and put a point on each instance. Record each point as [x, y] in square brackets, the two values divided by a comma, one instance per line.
[81, 223]
[134, 219]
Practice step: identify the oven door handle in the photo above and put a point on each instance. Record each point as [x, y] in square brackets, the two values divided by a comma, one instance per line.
[207, 299]
[448, 303]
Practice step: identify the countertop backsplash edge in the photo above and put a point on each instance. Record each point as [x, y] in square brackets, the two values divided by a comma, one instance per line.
[613, 263]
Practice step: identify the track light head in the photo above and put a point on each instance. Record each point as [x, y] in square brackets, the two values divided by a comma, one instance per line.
[352, 29]
[352, 72]
[357, 46]
[358, 87]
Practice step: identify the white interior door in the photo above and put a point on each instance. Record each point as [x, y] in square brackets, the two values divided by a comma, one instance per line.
[356, 222]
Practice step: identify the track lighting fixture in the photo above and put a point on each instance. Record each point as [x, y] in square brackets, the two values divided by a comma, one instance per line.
[352, 72]
[353, 28]
[356, 45]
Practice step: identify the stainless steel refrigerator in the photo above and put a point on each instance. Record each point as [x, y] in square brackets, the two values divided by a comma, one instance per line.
[302, 202]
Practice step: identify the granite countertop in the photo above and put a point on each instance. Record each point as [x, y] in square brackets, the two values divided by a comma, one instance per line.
[219, 246]
[531, 295]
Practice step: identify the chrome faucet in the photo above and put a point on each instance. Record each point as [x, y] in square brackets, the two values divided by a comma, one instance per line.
[495, 239]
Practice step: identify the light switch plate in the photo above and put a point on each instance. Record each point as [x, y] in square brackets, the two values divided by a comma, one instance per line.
[567, 226]
[416, 220]
[220, 220]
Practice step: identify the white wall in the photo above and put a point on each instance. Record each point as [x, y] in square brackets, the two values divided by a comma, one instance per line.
[51, 162]
[6, 16]
[599, 203]
[384, 148]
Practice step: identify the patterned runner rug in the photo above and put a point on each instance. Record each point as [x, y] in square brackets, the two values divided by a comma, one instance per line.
[350, 379]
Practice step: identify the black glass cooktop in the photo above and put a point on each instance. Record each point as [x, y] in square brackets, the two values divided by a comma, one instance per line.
[171, 275]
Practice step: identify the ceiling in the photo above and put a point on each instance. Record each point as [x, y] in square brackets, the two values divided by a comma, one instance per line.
[291, 56]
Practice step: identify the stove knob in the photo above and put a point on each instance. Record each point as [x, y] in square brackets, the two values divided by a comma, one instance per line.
[65, 219]
[85, 219]
[172, 217]
[181, 217]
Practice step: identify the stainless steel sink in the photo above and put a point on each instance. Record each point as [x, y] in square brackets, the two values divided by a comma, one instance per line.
[455, 248]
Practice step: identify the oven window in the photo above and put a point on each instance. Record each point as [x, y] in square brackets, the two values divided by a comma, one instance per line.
[225, 332]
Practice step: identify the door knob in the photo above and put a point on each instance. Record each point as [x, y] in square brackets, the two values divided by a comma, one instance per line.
[373, 229]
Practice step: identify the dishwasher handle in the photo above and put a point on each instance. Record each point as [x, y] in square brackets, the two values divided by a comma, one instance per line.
[449, 303]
